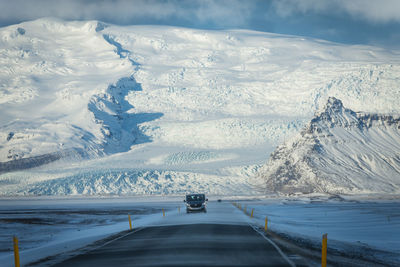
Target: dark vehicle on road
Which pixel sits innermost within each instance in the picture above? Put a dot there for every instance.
(195, 202)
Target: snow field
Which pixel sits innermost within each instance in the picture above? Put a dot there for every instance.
(222, 133)
(124, 95)
(370, 229)
(54, 74)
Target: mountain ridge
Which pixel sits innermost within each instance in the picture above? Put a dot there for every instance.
(340, 151)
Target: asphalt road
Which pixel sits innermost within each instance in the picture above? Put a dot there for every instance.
(185, 245)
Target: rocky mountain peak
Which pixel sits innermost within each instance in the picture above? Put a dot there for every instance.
(332, 115)
(340, 151)
(333, 104)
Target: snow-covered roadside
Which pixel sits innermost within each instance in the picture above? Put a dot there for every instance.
(368, 228)
(47, 227)
(74, 223)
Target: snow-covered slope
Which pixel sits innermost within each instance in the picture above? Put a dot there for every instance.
(339, 151)
(50, 71)
(82, 96)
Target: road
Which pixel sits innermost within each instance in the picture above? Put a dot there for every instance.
(185, 245)
(221, 237)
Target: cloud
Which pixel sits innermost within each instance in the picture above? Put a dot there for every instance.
(349, 21)
(216, 12)
(198, 13)
(373, 11)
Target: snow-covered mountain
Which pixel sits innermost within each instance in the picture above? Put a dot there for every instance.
(88, 101)
(339, 151)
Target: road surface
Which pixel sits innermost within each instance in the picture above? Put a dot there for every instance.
(185, 245)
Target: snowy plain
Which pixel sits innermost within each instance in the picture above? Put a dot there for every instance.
(46, 227)
(367, 229)
(160, 110)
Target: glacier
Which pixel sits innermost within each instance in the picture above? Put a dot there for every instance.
(92, 108)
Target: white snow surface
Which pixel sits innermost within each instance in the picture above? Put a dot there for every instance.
(367, 228)
(160, 110)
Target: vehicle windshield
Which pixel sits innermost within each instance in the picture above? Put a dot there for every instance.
(199, 197)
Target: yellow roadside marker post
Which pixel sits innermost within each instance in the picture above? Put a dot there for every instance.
(245, 208)
(266, 224)
(130, 222)
(324, 250)
(163, 212)
(252, 212)
(16, 252)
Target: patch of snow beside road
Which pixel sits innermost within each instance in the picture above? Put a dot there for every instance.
(366, 227)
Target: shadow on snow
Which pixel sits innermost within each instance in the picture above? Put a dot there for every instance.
(116, 115)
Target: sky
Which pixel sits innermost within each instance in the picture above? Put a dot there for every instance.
(374, 22)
